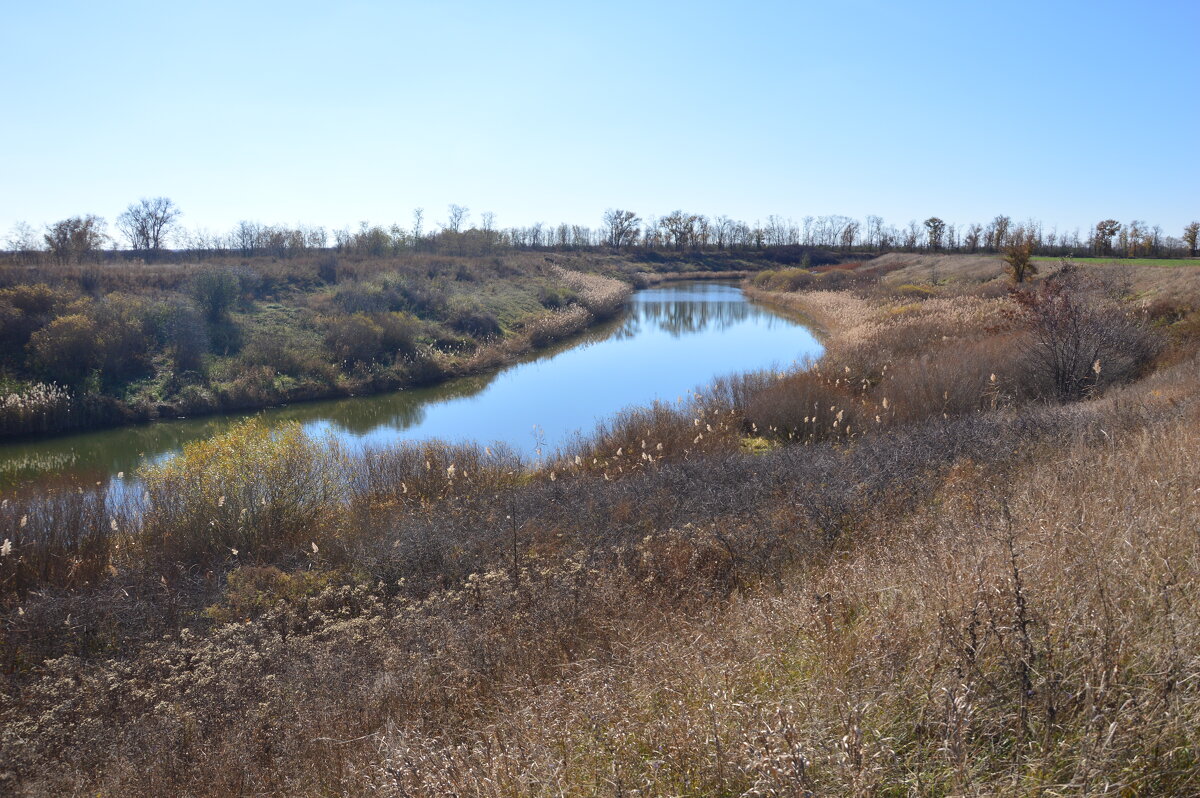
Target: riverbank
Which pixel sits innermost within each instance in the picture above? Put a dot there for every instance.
(943, 576)
(669, 340)
(280, 355)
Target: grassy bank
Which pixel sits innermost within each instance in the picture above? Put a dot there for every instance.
(948, 565)
(99, 345)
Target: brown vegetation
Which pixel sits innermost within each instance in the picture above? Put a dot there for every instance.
(935, 577)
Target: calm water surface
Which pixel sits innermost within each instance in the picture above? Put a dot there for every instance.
(674, 338)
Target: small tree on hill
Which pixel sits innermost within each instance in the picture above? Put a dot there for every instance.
(935, 231)
(1019, 257)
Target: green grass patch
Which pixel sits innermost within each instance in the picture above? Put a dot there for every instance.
(1163, 262)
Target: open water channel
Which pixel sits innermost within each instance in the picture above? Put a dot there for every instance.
(674, 338)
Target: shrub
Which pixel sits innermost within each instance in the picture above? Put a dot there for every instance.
(1080, 339)
(469, 317)
(555, 297)
(804, 405)
(786, 280)
(354, 339)
(362, 299)
(250, 493)
(123, 344)
(25, 309)
(184, 335)
(398, 332)
(912, 291)
(252, 590)
(215, 292)
(67, 349)
(327, 268)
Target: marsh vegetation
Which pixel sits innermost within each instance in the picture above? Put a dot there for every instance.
(955, 555)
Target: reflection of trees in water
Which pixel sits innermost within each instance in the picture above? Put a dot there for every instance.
(99, 454)
(399, 410)
(688, 317)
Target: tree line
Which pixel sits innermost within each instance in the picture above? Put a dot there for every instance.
(151, 226)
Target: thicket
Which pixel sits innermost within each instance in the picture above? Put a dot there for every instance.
(125, 341)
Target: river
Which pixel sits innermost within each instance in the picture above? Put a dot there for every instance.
(674, 338)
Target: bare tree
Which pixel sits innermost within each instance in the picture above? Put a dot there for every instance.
(996, 235)
(680, 228)
(458, 216)
(145, 224)
(971, 239)
(622, 227)
(23, 238)
(849, 235)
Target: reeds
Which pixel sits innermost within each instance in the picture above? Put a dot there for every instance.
(975, 594)
(38, 407)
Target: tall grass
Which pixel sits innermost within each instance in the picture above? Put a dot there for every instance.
(979, 593)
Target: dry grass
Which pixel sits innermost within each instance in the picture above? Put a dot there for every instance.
(975, 594)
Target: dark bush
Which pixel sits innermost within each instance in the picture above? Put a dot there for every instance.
(1081, 339)
(67, 349)
(215, 292)
(327, 268)
(472, 319)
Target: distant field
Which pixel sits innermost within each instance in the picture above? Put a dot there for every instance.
(1165, 262)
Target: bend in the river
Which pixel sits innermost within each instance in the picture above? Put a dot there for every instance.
(674, 338)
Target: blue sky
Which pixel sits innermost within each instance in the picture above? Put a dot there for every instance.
(332, 113)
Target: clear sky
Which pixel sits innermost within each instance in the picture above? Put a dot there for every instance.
(334, 112)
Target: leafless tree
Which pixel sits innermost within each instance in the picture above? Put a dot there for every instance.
(23, 238)
(849, 235)
(680, 228)
(621, 226)
(458, 216)
(146, 223)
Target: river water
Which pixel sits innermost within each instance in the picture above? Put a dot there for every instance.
(674, 338)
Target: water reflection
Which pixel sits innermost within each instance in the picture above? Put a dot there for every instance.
(674, 338)
(707, 309)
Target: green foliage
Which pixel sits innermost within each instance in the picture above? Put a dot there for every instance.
(184, 336)
(315, 328)
(912, 291)
(468, 316)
